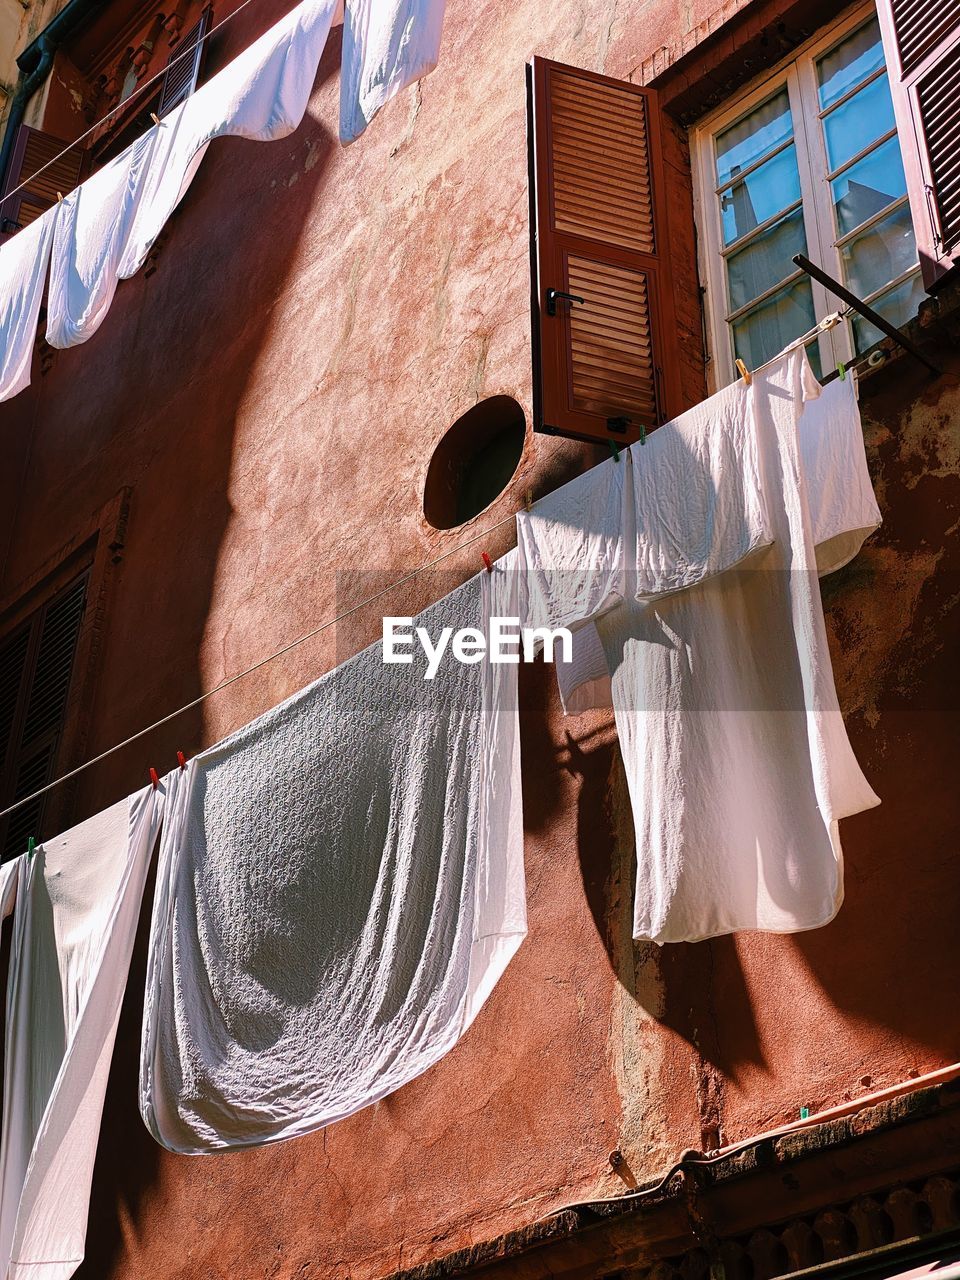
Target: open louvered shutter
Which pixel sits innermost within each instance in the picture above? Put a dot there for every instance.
(183, 69)
(31, 152)
(36, 669)
(603, 366)
(921, 41)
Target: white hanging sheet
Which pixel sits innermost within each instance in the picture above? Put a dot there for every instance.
(843, 513)
(387, 45)
(736, 756)
(340, 887)
(75, 920)
(23, 272)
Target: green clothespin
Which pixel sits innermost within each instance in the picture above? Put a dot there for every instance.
(804, 1113)
(614, 450)
(643, 434)
(842, 370)
(31, 845)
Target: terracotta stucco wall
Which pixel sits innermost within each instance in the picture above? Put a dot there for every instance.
(271, 392)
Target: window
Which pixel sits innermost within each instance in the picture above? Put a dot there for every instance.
(36, 672)
(809, 162)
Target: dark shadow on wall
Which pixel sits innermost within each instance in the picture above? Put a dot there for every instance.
(690, 973)
(152, 401)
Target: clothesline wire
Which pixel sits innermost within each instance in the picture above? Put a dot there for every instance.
(804, 338)
(138, 90)
(279, 653)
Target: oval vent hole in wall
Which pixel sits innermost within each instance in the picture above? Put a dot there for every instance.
(474, 462)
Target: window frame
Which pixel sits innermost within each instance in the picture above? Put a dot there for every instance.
(797, 73)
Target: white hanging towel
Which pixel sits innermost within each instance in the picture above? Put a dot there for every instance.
(736, 756)
(75, 919)
(387, 45)
(843, 513)
(23, 272)
(340, 887)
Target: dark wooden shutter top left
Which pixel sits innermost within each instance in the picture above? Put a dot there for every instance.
(31, 152)
(183, 70)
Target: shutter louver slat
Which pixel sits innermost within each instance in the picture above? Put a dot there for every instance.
(51, 681)
(939, 99)
(36, 670)
(32, 151)
(920, 26)
(13, 656)
(183, 69)
(33, 774)
(922, 39)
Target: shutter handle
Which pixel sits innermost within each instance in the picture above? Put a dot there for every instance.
(554, 294)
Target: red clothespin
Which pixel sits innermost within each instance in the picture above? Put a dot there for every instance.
(487, 562)
(181, 760)
(154, 778)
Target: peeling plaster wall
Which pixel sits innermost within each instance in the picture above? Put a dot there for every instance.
(271, 389)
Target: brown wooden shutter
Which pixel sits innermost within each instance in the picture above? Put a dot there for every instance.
(921, 41)
(36, 668)
(31, 151)
(603, 366)
(183, 68)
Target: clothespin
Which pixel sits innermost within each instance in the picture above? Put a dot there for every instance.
(528, 500)
(487, 562)
(643, 434)
(154, 117)
(181, 760)
(842, 370)
(154, 778)
(31, 845)
(744, 371)
(60, 197)
(804, 1113)
(614, 450)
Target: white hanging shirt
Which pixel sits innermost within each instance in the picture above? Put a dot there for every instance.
(843, 513)
(75, 919)
(340, 887)
(23, 273)
(736, 756)
(387, 45)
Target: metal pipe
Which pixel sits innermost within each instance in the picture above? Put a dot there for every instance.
(875, 318)
(35, 64)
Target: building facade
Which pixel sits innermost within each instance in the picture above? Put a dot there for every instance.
(259, 437)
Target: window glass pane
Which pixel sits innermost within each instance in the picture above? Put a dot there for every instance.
(761, 333)
(898, 306)
(861, 120)
(763, 194)
(765, 261)
(813, 355)
(753, 137)
(849, 63)
(881, 253)
(868, 186)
